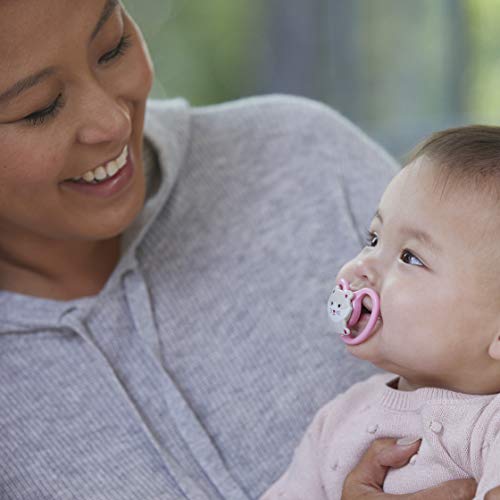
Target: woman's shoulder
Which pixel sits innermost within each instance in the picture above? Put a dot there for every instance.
(299, 155)
(269, 115)
(269, 106)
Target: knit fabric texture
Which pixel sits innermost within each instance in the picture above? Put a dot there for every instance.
(199, 364)
(460, 439)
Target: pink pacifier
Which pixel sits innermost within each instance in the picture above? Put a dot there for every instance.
(345, 307)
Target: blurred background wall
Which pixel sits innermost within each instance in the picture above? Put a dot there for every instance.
(399, 69)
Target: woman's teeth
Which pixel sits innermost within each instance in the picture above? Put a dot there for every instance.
(104, 172)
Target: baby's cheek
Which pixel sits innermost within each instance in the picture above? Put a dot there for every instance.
(407, 332)
(405, 302)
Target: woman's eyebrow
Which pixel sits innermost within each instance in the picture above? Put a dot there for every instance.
(108, 9)
(32, 80)
(25, 84)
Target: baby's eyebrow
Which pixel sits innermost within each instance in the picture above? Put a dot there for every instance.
(417, 234)
(422, 236)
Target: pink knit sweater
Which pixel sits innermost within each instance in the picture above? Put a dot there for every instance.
(460, 439)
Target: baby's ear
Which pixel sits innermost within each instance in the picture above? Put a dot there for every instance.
(494, 349)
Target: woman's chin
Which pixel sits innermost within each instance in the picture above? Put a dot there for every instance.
(115, 219)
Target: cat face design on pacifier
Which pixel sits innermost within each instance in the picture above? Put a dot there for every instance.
(345, 309)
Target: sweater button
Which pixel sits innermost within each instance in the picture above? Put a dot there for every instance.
(436, 426)
(372, 429)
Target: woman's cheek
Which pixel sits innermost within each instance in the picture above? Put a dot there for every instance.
(24, 147)
(16, 169)
(131, 86)
(41, 170)
(138, 83)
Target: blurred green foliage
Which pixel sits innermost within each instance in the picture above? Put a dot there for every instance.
(400, 69)
(484, 95)
(202, 50)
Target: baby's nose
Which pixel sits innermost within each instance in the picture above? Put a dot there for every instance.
(365, 274)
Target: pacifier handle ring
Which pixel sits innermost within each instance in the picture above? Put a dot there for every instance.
(357, 304)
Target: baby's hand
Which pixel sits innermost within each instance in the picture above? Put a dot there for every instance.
(366, 480)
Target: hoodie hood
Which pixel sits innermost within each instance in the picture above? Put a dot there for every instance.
(166, 134)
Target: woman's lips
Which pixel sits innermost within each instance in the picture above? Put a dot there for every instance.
(108, 187)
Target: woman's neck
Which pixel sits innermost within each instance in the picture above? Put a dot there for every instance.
(61, 270)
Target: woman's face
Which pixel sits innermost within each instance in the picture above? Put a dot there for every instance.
(74, 78)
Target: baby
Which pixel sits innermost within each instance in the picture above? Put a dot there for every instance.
(433, 257)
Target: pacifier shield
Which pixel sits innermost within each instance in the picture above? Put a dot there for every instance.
(345, 311)
(340, 309)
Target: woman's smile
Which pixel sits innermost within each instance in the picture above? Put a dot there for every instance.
(107, 169)
(71, 128)
(106, 180)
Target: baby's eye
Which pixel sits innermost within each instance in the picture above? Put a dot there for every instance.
(408, 258)
(371, 239)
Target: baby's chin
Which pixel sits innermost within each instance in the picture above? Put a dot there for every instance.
(369, 350)
(363, 351)
(373, 352)
(359, 327)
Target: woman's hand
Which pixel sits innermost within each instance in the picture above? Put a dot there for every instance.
(366, 480)
(493, 494)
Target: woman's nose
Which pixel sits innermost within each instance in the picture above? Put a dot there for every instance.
(105, 119)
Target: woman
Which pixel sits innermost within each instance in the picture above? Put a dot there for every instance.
(157, 328)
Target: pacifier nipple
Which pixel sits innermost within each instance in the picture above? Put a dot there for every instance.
(345, 309)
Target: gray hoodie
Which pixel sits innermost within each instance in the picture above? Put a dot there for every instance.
(194, 372)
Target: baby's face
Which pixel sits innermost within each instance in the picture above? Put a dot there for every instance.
(434, 260)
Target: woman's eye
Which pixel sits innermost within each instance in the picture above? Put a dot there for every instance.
(39, 117)
(408, 258)
(371, 239)
(118, 51)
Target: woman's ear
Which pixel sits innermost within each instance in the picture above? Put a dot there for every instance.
(494, 349)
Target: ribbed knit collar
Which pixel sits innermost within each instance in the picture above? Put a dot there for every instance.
(395, 399)
(167, 129)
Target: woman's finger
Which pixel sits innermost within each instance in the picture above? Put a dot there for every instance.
(493, 494)
(397, 453)
(367, 479)
(459, 489)
(369, 474)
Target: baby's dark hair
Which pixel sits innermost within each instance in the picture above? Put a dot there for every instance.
(466, 155)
